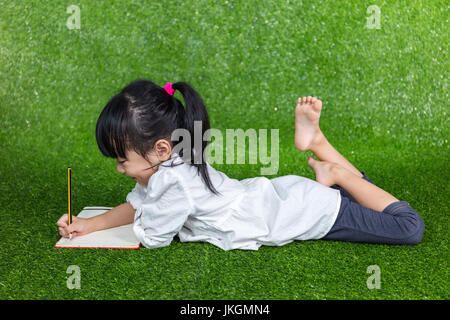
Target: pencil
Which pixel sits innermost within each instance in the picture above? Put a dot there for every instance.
(69, 182)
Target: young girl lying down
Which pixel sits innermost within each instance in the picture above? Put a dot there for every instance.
(174, 194)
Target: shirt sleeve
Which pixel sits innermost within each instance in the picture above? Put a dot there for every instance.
(136, 196)
(163, 212)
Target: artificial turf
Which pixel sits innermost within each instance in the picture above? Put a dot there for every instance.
(385, 107)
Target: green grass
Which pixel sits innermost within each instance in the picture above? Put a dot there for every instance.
(385, 97)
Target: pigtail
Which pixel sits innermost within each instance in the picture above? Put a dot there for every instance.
(196, 111)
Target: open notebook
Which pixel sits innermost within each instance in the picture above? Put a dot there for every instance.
(114, 238)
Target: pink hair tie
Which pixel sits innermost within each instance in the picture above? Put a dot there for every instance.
(169, 89)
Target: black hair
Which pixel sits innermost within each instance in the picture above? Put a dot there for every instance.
(142, 113)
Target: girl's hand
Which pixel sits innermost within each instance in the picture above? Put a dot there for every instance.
(78, 227)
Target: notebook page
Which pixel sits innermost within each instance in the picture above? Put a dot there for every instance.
(118, 237)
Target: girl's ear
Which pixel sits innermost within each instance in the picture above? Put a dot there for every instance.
(163, 149)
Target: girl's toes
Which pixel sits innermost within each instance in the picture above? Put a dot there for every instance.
(317, 105)
(304, 100)
(314, 99)
(308, 99)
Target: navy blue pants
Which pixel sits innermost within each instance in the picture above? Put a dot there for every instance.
(398, 223)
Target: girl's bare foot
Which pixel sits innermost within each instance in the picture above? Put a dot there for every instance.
(325, 171)
(307, 131)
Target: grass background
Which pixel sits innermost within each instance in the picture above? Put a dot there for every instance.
(385, 97)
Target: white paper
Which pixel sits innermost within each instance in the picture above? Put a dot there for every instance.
(118, 237)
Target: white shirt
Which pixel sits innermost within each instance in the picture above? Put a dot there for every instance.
(249, 213)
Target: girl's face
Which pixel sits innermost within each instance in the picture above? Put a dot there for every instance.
(134, 166)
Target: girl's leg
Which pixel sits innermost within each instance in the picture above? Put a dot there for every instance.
(364, 192)
(326, 152)
(398, 223)
(377, 216)
(344, 192)
(308, 135)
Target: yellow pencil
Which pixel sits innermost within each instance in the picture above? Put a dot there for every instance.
(69, 181)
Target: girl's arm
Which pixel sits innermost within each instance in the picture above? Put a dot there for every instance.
(118, 216)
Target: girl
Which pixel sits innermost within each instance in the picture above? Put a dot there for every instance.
(190, 198)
